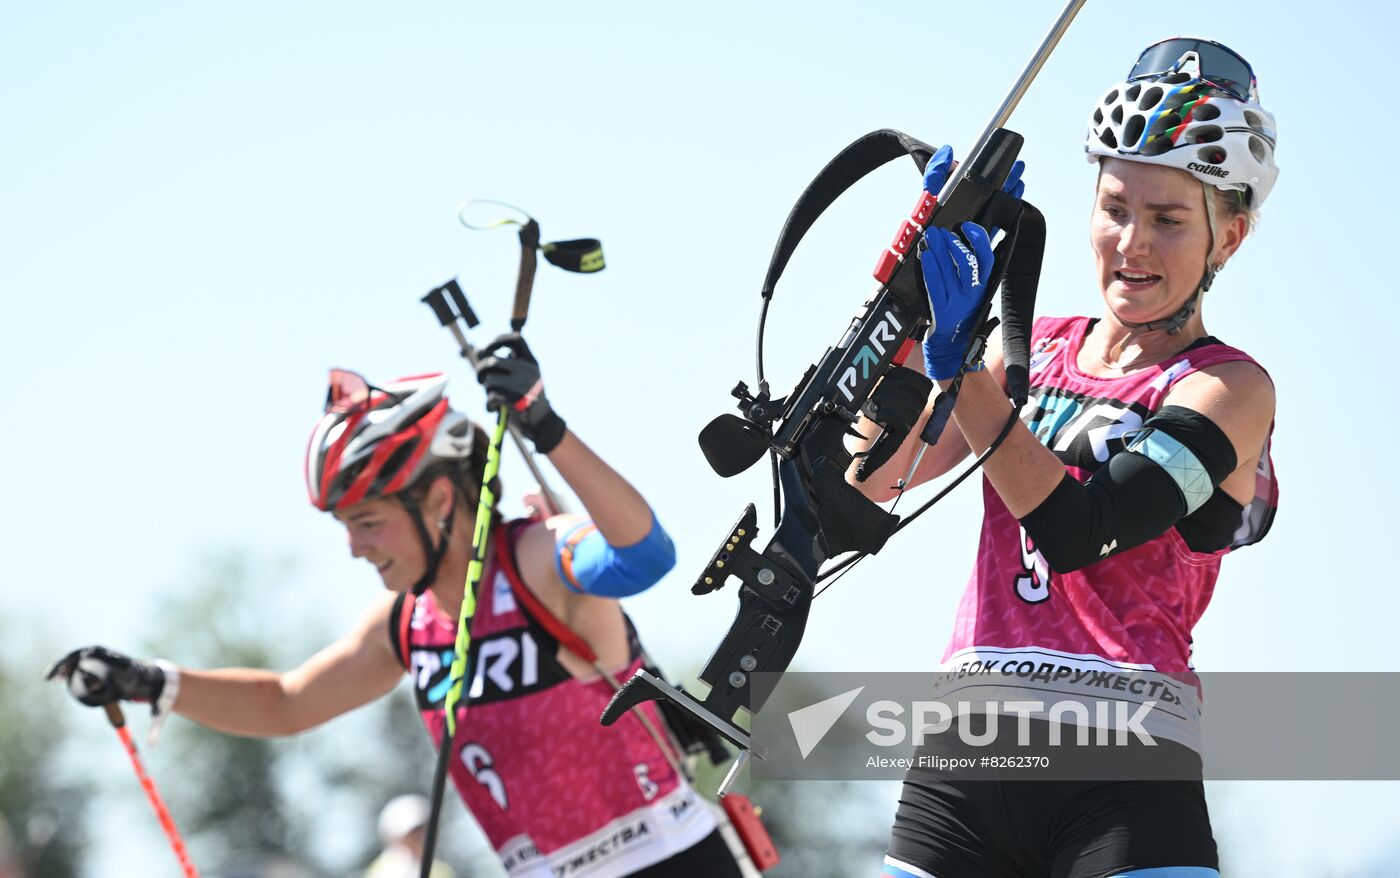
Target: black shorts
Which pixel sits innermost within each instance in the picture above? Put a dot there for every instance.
(1086, 819)
(1050, 829)
(710, 857)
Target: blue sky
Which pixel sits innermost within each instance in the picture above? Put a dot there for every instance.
(202, 208)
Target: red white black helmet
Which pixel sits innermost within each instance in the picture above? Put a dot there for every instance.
(1192, 104)
(377, 441)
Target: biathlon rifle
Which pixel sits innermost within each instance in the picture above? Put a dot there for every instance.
(804, 433)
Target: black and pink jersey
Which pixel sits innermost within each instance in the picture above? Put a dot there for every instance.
(556, 793)
(1133, 610)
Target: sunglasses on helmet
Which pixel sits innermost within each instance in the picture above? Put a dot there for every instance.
(1220, 67)
(350, 393)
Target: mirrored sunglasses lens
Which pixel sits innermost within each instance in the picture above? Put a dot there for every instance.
(1219, 66)
(347, 390)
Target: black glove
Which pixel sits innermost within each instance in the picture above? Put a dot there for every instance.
(511, 376)
(97, 676)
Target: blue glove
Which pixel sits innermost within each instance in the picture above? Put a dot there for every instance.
(956, 278)
(940, 165)
(954, 275)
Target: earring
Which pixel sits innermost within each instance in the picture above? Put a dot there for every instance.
(442, 525)
(1217, 267)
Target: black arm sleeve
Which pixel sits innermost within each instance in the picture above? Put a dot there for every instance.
(1132, 498)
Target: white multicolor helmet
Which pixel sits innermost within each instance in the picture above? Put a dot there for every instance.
(1192, 104)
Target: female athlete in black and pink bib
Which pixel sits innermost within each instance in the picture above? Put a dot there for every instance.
(555, 792)
(1141, 459)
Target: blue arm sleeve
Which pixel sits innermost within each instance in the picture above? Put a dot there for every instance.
(588, 565)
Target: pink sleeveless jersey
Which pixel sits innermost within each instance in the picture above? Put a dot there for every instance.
(1135, 609)
(556, 793)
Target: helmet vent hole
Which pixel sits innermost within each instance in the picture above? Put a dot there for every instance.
(1156, 146)
(1165, 122)
(1108, 139)
(1132, 132)
(1098, 117)
(1206, 133)
(1252, 119)
(1150, 98)
(1132, 92)
(1177, 78)
(1118, 115)
(1211, 155)
(1258, 149)
(1204, 112)
(395, 462)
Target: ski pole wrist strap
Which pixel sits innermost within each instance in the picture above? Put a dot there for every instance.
(164, 704)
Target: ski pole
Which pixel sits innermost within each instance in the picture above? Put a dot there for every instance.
(437, 299)
(481, 539)
(167, 823)
(585, 256)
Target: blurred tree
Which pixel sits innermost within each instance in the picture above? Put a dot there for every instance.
(314, 798)
(230, 802)
(44, 807)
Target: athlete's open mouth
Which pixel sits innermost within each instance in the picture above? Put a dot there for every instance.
(1136, 278)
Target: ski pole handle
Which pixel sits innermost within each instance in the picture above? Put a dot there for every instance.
(525, 280)
(437, 300)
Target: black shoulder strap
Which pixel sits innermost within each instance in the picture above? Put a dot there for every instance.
(399, 617)
(851, 164)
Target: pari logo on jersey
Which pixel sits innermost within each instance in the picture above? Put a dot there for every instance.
(506, 665)
(1081, 430)
(882, 338)
(1084, 431)
(430, 669)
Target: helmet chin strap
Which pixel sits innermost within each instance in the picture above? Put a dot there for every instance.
(434, 556)
(1175, 322)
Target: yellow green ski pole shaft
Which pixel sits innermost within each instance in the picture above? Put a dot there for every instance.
(457, 678)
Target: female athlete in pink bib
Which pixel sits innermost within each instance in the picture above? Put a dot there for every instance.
(556, 793)
(1141, 460)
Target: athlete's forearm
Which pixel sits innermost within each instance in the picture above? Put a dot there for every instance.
(241, 701)
(620, 512)
(1022, 471)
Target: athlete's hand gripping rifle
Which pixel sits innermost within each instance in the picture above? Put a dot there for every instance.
(823, 515)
